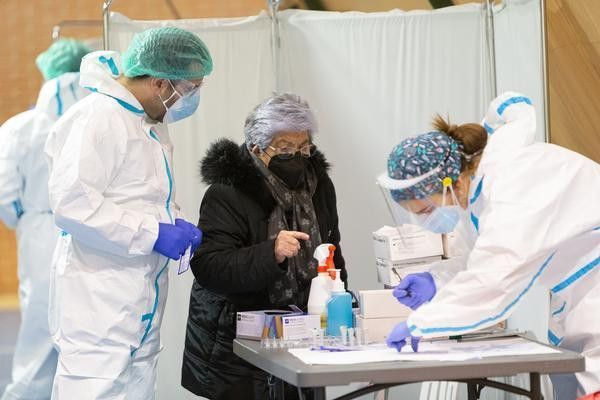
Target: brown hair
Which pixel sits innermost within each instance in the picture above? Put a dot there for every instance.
(473, 138)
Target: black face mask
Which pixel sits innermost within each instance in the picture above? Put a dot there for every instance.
(290, 171)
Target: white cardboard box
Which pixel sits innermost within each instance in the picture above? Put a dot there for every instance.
(414, 243)
(250, 325)
(256, 325)
(381, 304)
(378, 328)
(300, 326)
(390, 272)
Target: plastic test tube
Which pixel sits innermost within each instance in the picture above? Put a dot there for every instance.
(351, 335)
(322, 337)
(344, 333)
(315, 336)
(359, 337)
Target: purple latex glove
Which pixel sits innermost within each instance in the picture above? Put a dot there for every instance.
(193, 230)
(172, 240)
(415, 290)
(398, 335)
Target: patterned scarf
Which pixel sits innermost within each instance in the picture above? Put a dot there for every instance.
(289, 289)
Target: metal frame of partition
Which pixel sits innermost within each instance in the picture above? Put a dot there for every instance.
(275, 41)
(545, 81)
(106, 23)
(490, 46)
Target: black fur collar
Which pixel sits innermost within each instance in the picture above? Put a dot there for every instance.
(230, 164)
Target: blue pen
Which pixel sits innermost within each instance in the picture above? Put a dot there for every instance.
(329, 348)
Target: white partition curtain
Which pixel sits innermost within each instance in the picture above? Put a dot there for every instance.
(371, 79)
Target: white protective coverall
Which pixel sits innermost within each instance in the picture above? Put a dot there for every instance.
(535, 213)
(110, 186)
(24, 206)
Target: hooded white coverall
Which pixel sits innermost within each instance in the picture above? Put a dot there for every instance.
(535, 213)
(24, 206)
(110, 186)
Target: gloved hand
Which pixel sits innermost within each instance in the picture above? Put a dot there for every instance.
(193, 230)
(398, 335)
(415, 290)
(172, 240)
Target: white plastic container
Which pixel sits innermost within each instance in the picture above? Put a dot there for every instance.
(414, 243)
(390, 272)
(381, 304)
(320, 286)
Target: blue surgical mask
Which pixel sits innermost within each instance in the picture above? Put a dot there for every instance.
(183, 107)
(443, 219)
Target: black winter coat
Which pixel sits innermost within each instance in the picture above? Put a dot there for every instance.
(236, 264)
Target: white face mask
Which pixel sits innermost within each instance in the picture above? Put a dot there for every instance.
(183, 107)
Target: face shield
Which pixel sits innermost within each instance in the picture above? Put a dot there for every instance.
(408, 202)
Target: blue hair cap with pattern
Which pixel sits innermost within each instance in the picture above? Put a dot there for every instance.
(416, 156)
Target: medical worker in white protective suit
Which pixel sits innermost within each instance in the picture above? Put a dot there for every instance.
(111, 190)
(534, 213)
(24, 206)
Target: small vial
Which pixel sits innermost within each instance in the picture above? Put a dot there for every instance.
(344, 333)
(365, 335)
(315, 336)
(322, 337)
(359, 337)
(351, 336)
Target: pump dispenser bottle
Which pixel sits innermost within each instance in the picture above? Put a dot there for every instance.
(320, 286)
(339, 307)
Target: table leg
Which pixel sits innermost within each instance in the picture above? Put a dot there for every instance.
(472, 392)
(319, 393)
(535, 386)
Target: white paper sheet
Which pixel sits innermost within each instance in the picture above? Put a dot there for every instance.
(184, 261)
(428, 351)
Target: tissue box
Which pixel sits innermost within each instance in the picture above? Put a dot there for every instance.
(381, 304)
(415, 243)
(378, 328)
(390, 272)
(280, 324)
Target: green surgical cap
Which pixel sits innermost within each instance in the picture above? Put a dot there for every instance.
(61, 57)
(168, 53)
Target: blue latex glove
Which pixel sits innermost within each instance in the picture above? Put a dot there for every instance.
(398, 335)
(415, 290)
(172, 240)
(193, 230)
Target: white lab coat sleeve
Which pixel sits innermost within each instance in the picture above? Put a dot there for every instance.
(510, 254)
(90, 158)
(444, 271)
(11, 180)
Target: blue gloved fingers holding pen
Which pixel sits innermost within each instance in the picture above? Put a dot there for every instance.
(415, 289)
(398, 336)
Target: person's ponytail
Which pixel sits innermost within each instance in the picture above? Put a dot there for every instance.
(472, 137)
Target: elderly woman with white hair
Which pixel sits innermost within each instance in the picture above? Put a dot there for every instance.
(269, 205)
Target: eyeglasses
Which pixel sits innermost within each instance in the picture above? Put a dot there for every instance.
(286, 153)
(185, 88)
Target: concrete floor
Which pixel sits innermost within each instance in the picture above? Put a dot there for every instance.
(9, 326)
